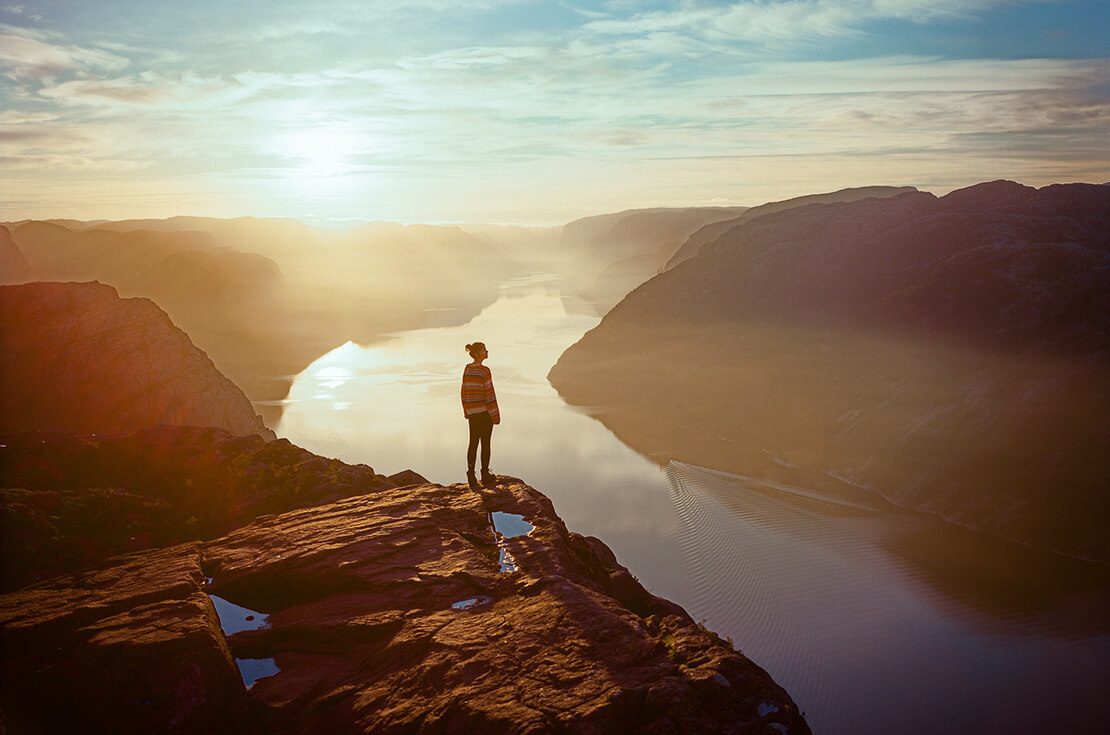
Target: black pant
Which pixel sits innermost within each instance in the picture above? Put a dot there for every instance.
(481, 428)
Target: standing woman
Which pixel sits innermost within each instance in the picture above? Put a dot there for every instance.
(480, 409)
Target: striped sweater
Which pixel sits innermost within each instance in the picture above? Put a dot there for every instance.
(477, 392)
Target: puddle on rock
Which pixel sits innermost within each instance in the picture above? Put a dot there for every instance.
(253, 669)
(235, 618)
(471, 602)
(510, 525)
(507, 526)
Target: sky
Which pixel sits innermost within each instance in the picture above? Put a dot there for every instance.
(530, 112)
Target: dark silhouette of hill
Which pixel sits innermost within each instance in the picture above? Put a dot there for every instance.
(77, 357)
(951, 354)
(607, 255)
(707, 234)
(14, 267)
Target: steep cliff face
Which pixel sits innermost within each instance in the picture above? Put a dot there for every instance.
(952, 355)
(413, 609)
(78, 357)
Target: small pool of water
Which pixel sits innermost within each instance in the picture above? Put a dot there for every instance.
(471, 602)
(510, 525)
(236, 618)
(253, 669)
(507, 526)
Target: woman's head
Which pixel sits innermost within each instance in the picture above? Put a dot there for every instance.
(477, 350)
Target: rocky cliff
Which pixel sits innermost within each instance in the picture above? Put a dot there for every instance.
(68, 501)
(608, 255)
(78, 357)
(424, 608)
(950, 354)
(710, 232)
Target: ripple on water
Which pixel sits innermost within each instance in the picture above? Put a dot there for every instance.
(837, 602)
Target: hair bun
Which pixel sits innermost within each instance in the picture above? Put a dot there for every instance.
(468, 347)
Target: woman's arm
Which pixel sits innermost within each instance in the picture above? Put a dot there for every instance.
(491, 400)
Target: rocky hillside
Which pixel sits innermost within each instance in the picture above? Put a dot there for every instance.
(608, 255)
(78, 357)
(950, 354)
(418, 609)
(710, 232)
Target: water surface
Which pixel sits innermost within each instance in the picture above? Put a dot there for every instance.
(874, 620)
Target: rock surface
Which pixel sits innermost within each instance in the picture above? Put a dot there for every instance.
(77, 357)
(364, 629)
(72, 500)
(949, 354)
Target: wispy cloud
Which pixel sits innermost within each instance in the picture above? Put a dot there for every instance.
(28, 54)
(766, 23)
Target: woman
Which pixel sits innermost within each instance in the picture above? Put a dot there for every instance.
(480, 409)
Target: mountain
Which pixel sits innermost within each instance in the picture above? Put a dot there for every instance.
(606, 256)
(711, 232)
(78, 357)
(14, 267)
(951, 355)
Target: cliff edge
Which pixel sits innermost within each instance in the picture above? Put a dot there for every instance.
(417, 609)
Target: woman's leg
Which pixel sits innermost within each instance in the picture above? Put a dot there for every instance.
(487, 433)
(472, 448)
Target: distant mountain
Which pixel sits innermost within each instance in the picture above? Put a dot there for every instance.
(14, 267)
(950, 354)
(607, 255)
(77, 357)
(711, 232)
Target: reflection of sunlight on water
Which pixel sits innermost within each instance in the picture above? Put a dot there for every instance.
(333, 377)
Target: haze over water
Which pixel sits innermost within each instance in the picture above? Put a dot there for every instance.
(873, 619)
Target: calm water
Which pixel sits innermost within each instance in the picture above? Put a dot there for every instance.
(873, 620)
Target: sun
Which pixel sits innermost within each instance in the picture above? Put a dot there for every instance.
(323, 151)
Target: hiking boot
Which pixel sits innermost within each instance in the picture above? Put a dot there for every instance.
(488, 478)
(472, 480)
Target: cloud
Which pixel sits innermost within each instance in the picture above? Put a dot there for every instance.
(27, 54)
(797, 21)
